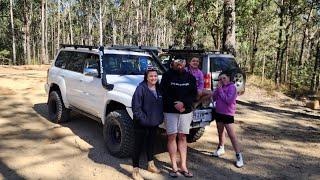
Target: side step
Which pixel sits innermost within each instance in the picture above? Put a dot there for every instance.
(86, 114)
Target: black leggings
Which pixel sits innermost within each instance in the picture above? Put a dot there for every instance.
(143, 136)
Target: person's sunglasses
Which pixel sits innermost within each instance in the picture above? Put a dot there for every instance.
(178, 60)
(151, 68)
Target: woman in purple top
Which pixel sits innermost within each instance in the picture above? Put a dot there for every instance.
(193, 69)
(225, 97)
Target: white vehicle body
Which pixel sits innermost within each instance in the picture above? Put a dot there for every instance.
(100, 86)
(86, 93)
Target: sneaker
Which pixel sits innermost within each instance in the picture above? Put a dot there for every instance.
(239, 162)
(136, 175)
(153, 168)
(219, 152)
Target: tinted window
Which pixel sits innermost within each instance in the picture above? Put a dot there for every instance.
(76, 61)
(62, 59)
(222, 63)
(127, 64)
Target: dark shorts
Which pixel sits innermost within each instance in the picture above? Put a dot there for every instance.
(225, 119)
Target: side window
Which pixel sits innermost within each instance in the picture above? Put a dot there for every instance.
(76, 61)
(222, 64)
(62, 59)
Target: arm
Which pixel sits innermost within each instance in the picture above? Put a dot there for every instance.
(137, 103)
(193, 92)
(230, 96)
(164, 86)
(201, 81)
(215, 95)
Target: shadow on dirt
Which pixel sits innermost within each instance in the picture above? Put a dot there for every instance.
(91, 132)
(9, 173)
(257, 158)
(257, 107)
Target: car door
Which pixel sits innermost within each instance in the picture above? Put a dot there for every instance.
(91, 87)
(73, 76)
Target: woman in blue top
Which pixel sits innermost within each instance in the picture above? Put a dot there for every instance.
(147, 115)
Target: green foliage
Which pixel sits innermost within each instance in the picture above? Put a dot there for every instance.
(4, 53)
(197, 22)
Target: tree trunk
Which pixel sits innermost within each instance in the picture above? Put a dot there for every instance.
(254, 47)
(90, 27)
(287, 65)
(283, 50)
(14, 59)
(47, 32)
(114, 30)
(43, 58)
(314, 83)
(58, 30)
(305, 33)
(150, 29)
(277, 69)
(27, 17)
(189, 36)
(229, 36)
(137, 33)
(100, 24)
(263, 68)
(70, 25)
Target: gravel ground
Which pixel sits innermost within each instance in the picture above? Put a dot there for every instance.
(280, 139)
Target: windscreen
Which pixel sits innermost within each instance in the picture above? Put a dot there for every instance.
(222, 64)
(120, 64)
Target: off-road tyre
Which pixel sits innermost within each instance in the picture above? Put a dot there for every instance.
(195, 134)
(57, 112)
(118, 133)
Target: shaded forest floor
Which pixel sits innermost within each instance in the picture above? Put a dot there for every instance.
(279, 136)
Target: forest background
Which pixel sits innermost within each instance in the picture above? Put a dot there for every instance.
(275, 39)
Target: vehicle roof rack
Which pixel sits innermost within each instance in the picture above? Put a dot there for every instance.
(184, 50)
(78, 46)
(192, 50)
(135, 48)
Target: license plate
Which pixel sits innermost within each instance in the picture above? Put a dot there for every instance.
(201, 115)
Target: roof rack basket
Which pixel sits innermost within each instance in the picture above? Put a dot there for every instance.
(78, 46)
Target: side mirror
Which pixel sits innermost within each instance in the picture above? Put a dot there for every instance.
(91, 72)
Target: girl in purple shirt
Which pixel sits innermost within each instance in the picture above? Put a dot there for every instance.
(193, 69)
(225, 97)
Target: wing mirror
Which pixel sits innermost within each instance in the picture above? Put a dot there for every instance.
(91, 72)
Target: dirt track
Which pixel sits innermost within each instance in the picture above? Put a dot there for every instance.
(278, 142)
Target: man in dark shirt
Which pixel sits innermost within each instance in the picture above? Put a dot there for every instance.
(179, 92)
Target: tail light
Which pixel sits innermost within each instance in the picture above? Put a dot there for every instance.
(207, 81)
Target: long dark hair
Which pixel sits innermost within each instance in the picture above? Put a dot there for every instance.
(228, 73)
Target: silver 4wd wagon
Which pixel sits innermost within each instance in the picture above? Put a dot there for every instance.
(211, 64)
(99, 82)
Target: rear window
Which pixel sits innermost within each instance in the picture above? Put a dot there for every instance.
(222, 63)
(127, 64)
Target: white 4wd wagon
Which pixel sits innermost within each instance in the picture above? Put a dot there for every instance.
(99, 83)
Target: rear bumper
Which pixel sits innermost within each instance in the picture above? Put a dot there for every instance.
(204, 121)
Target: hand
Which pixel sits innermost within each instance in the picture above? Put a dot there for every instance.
(179, 105)
(219, 85)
